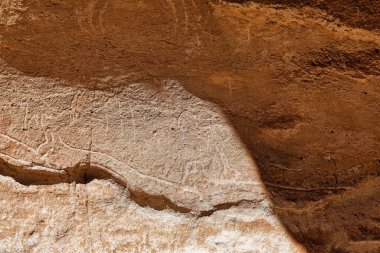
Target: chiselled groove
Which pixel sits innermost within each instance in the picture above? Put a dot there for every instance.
(19, 143)
(84, 173)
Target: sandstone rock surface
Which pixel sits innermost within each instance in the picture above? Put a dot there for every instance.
(189, 126)
(181, 179)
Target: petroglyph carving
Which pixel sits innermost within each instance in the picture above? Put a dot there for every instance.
(130, 137)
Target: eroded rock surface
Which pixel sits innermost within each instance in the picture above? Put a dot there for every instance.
(137, 126)
(163, 142)
(100, 217)
(171, 157)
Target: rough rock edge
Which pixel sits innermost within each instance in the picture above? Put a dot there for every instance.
(84, 173)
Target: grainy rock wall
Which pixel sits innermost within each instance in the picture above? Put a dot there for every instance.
(181, 179)
(189, 125)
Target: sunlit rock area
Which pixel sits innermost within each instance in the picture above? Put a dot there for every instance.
(190, 126)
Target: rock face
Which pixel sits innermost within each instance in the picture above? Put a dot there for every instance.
(163, 142)
(181, 178)
(189, 126)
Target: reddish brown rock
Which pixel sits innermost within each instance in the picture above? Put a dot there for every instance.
(189, 125)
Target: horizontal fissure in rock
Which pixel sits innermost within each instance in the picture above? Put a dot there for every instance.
(82, 174)
(85, 173)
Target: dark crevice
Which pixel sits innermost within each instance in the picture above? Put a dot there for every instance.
(82, 174)
(156, 202)
(223, 206)
(85, 173)
(36, 175)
